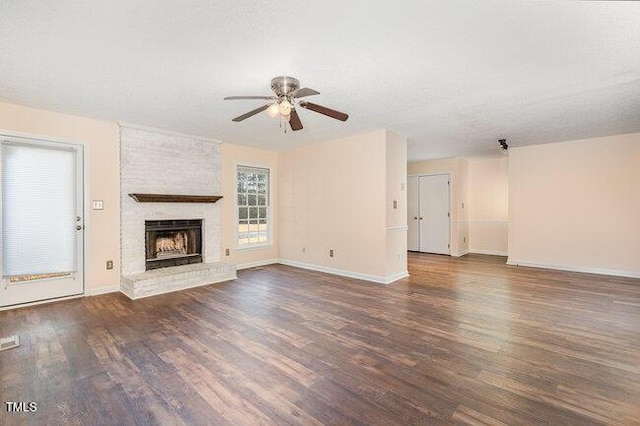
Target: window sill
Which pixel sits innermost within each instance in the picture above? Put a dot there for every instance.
(253, 247)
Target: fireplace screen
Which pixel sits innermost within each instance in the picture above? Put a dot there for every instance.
(173, 242)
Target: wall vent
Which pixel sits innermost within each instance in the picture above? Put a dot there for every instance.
(9, 342)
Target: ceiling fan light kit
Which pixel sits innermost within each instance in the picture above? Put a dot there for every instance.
(283, 105)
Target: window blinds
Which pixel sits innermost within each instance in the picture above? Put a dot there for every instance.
(39, 187)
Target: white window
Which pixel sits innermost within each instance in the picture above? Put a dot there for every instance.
(254, 221)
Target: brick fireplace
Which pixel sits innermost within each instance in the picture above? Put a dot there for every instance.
(169, 243)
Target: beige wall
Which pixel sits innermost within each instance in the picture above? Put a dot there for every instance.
(332, 196)
(575, 205)
(488, 208)
(458, 170)
(101, 150)
(331, 199)
(233, 156)
(396, 218)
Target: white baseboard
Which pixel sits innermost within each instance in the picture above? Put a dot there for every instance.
(41, 302)
(396, 277)
(460, 253)
(490, 252)
(569, 268)
(343, 273)
(256, 264)
(103, 290)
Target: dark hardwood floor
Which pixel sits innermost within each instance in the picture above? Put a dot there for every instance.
(467, 340)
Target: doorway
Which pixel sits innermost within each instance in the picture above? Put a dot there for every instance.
(428, 199)
(42, 248)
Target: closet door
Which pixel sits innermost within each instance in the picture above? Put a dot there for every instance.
(434, 221)
(413, 211)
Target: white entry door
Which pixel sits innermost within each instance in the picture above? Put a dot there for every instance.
(434, 214)
(42, 220)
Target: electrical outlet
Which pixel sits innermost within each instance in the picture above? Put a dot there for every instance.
(331, 253)
(395, 204)
(304, 249)
(226, 252)
(109, 264)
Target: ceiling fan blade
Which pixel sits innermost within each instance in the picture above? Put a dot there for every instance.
(305, 91)
(294, 121)
(235, 98)
(326, 111)
(250, 113)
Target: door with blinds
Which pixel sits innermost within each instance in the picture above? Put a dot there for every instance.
(42, 254)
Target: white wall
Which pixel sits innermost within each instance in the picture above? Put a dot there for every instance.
(576, 205)
(488, 205)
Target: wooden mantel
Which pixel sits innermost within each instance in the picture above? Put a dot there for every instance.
(174, 198)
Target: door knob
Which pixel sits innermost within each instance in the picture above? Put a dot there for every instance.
(420, 218)
(78, 227)
(416, 217)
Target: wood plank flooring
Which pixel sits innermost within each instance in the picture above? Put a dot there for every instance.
(462, 341)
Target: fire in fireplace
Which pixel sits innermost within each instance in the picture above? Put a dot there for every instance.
(172, 242)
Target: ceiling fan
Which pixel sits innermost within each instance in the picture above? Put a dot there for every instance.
(287, 93)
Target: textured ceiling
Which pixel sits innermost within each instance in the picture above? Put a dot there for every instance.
(451, 76)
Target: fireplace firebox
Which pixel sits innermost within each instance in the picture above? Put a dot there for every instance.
(172, 242)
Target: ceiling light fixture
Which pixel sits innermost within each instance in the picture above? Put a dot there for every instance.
(273, 110)
(284, 102)
(285, 108)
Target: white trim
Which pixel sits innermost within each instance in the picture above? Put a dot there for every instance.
(256, 264)
(397, 228)
(490, 252)
(270, 216)
(37, 137)
(41, 302)
(459, 254)
(430, 174)
(343, 273)
(103, 290)
(86, 213)
(86, 195)
(125, 125)
(569, 268)
(395, 277)
(250, 247)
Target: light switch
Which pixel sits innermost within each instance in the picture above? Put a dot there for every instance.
(97, 205)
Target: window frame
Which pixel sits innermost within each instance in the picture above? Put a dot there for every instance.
(258, 245)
